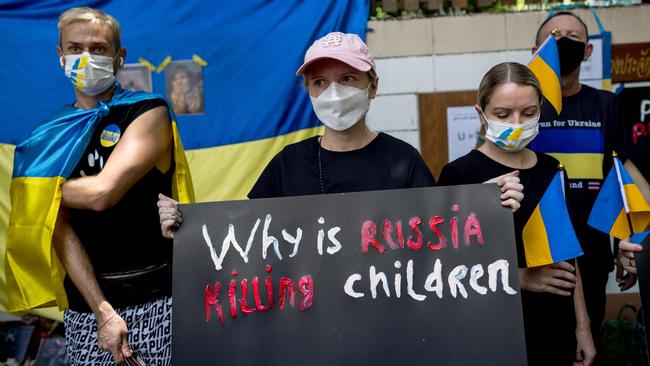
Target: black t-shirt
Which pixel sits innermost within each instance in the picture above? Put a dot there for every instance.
(125, 238)
(549, 320)
(385, 163)
(583, 137)
(639, 154)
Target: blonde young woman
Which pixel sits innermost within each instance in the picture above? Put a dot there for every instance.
(556, 323)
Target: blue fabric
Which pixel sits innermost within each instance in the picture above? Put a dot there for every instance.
(562, 239)
(638, 238)
(252, 48)
(55, 147)
(551, 56)
(583, 140)
(608, 204)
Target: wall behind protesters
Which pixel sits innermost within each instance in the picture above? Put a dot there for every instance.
(453, 53)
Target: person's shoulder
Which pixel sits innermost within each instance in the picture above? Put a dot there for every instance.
(461, 170)
(386, 139)
(300, 147)
(293, 152)
(546, 162)
(600, 94)
(152, 101)
(391, 144)
(467, 160)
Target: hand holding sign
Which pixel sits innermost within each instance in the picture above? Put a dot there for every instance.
(170, 216)
(511, 188)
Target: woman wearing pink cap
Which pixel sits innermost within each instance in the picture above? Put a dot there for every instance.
(339, 74)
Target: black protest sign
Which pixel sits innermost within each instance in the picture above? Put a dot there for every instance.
(402, 277)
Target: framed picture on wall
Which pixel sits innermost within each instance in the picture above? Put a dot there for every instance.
(135, 77)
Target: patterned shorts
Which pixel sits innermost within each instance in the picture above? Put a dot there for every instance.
(150, 334)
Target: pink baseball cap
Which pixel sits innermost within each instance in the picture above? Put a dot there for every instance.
(345, 47)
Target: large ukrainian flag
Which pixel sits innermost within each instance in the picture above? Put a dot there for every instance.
(545, 64)
(42, 163)
(620, 209)
(548, 235)
(254, 104)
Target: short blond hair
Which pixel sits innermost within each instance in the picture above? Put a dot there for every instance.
(94, 16)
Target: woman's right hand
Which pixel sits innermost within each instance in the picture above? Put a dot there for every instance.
(557, 278)
(626, 255)
(170, 216)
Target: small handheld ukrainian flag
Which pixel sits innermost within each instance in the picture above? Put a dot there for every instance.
(545, 64)
(620, 210)
(548, 235)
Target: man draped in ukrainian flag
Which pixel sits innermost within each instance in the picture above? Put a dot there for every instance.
(84, 191)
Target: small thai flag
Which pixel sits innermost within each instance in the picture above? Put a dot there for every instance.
(593, 186)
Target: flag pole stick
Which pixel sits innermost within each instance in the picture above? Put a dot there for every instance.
(627, 210)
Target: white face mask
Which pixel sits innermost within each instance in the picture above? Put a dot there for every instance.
(510, 136)
(91, 74)
(339, 107)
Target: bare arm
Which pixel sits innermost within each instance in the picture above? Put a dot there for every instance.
(146, 143)
(113, 330)
(585, 351)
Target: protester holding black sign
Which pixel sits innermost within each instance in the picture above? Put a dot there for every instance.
(555, 315)
(339, 74)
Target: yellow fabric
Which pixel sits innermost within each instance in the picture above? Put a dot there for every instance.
(639, 208)
(35, 205)
(581, 166)
(549, 82)
(535, 238)
(182, 187)
(6, 167)
(229, 172)
(621, 228)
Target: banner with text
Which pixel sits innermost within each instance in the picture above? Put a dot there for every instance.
(399, 277)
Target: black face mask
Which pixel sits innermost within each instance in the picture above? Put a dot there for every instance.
(571, 54)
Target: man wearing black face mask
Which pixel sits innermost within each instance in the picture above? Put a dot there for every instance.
(582, 137)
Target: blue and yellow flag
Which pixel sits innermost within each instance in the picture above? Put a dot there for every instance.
(620, 209)
(246, 55)
(548, 235)
(42, 163)
(545, 64)
(582, 158)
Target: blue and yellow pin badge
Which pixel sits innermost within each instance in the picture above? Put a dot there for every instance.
(110, 135)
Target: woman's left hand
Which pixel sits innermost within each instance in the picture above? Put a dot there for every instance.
(585, 350)
(512, 191)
